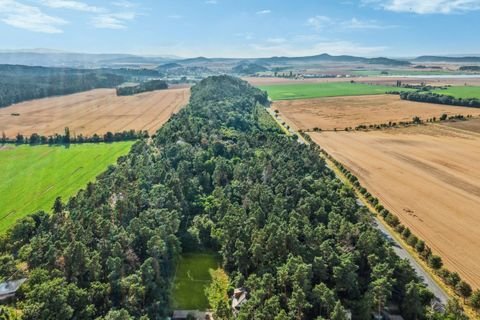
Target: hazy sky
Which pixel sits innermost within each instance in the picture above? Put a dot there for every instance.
(243, 28)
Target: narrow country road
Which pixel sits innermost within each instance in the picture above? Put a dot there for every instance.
(404, 254)
(441, 296)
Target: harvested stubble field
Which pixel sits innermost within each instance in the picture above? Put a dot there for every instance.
(342, 112)
(428, 176)
(472, 125)
(96, 111)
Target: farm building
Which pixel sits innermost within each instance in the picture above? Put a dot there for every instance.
(9, 288)
(240, 296)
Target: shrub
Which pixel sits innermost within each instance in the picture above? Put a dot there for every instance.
(453, 279)
(435, 262)
(392, 220)
(420, 246)
(400, 228)
(463, 289)
(412, 240)
(406, 233)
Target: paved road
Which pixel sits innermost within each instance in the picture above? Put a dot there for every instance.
(404, 254)
(441, 296)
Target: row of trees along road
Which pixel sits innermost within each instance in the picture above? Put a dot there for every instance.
(220, 175)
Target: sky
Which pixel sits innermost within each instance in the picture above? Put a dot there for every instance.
(243, 28)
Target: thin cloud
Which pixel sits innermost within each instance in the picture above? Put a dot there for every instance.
(28, 17)
(245, 35)
(426, 6)
(277, 40)
(211, 2)
(124, 4)
(263, 12)
(319, 22)
(175, 16)
(71, 5)
(355, 23)
(113, 20)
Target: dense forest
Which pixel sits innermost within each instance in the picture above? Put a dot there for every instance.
(431, 97)
(146, 86)
(21, 83)
(219, 176)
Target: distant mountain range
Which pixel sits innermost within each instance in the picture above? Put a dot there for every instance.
(53, 58)
(324, 58)
(77, 60)
(470, 59)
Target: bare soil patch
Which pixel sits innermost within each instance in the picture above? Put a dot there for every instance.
(428, 176)
(96, 111)
(342, 112)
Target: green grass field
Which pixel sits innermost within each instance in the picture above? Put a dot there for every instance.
(403, 72)
(191, 278)
(32, 177)
(320, 90)
(461, 92)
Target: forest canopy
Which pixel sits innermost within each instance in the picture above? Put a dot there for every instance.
(219, 176)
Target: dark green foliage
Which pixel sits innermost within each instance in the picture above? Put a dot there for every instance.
(21, 83)
(146, 86)
(475, 300)
(463, 289)
(248, 69)
(469, 68)
(435, 262)
(431, 97)
(214, 177)
(65, 139)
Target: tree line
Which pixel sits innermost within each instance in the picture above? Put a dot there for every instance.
(68, 138)
(432, 97)
(146, 86)
(221, 176)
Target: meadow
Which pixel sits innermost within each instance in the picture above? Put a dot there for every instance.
(463, 92)
(191, 278)
(32, 177)
(403, 72)
(329, 89)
